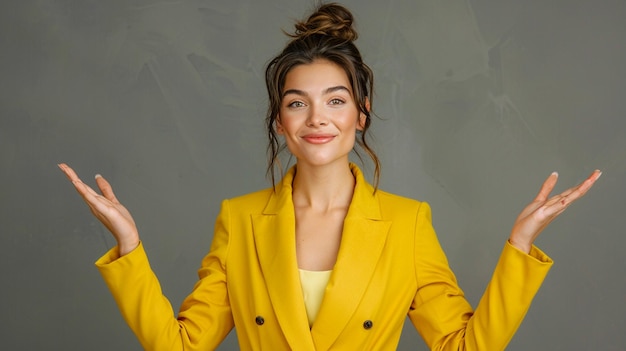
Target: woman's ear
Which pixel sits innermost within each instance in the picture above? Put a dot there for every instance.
(278, 126)
(363, 116)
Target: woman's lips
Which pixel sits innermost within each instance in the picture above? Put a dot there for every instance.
(318, 138)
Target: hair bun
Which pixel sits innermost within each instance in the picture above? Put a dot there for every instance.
(329, 19)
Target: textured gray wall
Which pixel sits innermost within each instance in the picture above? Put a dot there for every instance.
(479, 101)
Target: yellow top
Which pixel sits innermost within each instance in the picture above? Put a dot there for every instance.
(313, 287)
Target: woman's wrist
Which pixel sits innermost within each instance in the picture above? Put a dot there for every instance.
(125, 248)
(520, 245)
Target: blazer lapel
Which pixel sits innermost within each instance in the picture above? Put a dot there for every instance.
(364, 236)
(274, 235)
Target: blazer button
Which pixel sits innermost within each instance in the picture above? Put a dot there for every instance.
(259, 320)
(368, 324)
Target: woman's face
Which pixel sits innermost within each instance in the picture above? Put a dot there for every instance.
(318, 116)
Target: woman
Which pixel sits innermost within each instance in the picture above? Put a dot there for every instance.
(323, 260)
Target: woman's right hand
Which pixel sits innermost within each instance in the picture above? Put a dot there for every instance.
(107, 209)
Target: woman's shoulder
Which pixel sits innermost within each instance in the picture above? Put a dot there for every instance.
(255, 197)
(398, 205)
(400, 200)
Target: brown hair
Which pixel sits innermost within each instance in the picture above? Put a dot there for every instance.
(327, 34)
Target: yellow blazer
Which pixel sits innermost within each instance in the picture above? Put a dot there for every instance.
(390, 264)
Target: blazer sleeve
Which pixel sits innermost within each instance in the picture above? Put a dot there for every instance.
(442, 315)
(205, 316)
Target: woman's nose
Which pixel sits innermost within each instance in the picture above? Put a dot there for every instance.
(316, 117)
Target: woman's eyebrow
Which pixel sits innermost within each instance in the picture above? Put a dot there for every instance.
(326, 91)
(335, 88)
(295, 92)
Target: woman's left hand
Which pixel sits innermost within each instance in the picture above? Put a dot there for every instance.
(542, 210)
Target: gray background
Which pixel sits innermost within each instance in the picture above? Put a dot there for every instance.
(479, 100)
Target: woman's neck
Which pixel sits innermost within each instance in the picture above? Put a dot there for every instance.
(323, 188)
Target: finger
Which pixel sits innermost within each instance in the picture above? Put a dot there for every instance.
(82, 188)
(100, 206)
(106, 189)
(579, 191)
(547, 187)
(69, 172)
(572, 194)
(85, 191)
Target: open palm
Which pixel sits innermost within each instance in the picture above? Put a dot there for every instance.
(544, 209)
(107, 209)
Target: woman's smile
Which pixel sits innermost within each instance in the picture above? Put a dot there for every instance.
(318, 138)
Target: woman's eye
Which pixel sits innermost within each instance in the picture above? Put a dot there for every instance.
(336, 102)
(296, 104)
